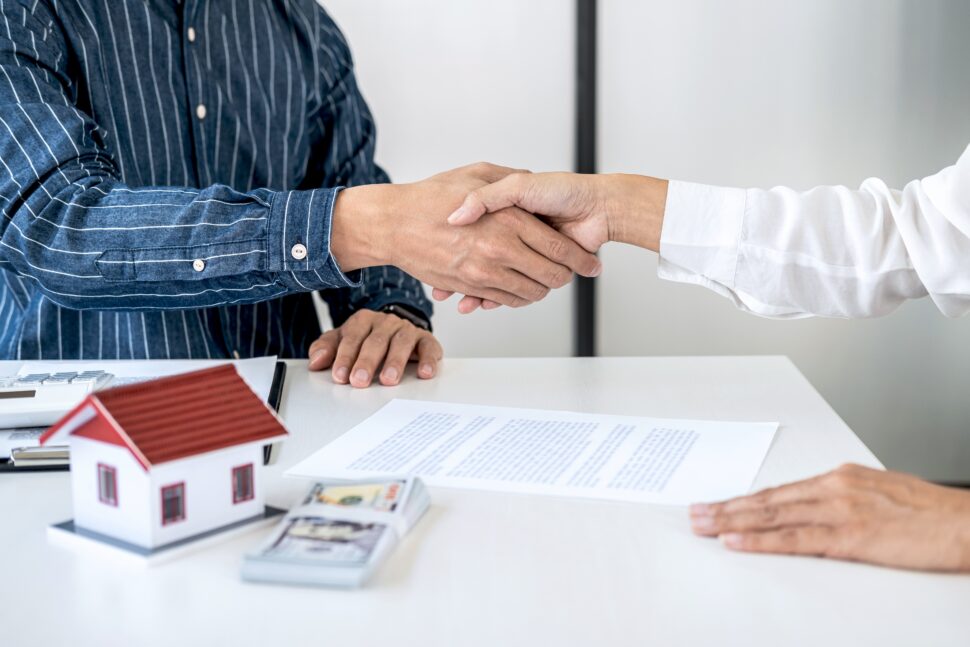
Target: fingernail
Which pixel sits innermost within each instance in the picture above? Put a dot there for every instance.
(598, 269)
(702, 523)
(700, 509)
(457, 215)
(427, 370)
(390, 374)
(361, 375)
(731, 539)
(342, 373)
(318, 356)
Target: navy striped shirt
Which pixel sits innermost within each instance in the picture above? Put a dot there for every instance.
(168, 172)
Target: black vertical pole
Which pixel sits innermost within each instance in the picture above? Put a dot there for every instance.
(584, 316)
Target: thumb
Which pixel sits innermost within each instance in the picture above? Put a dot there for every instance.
(491, 197)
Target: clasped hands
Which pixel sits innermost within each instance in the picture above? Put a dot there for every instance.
(509, 258)
(497, 235)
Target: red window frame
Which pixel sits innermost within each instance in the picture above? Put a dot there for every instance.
(167, 488)
(250, 480)
(107, 469)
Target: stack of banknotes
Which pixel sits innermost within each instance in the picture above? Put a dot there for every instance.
(340, 533)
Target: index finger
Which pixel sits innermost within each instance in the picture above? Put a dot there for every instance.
(558, 247)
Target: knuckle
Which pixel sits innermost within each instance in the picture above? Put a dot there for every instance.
(840, 479)
(556, 249)
(788, 538)
(560, 277)
(538, 292)
(351, 338)
(378, 339)
(475, 273)
(769, 513)
(761, 498)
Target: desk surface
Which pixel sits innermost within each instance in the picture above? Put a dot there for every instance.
(496, 569)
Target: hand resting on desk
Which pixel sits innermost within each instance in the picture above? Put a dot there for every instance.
(368, 340)
(852, 513)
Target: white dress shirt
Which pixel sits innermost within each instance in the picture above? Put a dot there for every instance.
(831, 251)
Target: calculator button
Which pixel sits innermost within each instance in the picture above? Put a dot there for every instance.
(33, 378)
(60, 378)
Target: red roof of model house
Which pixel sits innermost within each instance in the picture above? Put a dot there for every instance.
(173, 417)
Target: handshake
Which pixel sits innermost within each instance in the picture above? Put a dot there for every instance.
(497, 235)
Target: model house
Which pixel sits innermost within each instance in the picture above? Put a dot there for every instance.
(168, 460)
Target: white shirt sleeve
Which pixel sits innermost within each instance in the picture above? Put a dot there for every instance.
(830, 251)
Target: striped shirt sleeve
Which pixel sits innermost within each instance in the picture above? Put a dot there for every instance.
(89, 241)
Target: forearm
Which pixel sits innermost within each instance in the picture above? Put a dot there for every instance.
(830, 251)
(362, 234)
(91, 242)
(634, 208)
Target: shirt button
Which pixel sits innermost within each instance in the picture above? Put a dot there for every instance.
(298, 252)
(198, 265)
(191, 35)
(200, 111)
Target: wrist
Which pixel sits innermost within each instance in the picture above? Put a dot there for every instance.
(634, 207)
(358, 235)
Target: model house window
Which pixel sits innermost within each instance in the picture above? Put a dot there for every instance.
(242, 483)
(173, 503)
(107, 484)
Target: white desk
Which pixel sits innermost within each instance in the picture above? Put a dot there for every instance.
(492, 569)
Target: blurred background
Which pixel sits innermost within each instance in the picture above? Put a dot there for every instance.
(739, 93)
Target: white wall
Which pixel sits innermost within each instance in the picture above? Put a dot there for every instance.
(758, 93)
(452, 83)
(130, 520)
(747, 93)
(208, 491)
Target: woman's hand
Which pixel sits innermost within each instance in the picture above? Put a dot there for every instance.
(853, 513)
(589, 209)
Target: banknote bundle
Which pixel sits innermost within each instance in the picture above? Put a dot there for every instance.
(340, 533)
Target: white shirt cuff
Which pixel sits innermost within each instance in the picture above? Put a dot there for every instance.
(700, 234)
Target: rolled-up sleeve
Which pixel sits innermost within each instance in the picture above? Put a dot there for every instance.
(89, 241)
(829, 251)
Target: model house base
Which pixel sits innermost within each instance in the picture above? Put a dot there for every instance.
(71, 536)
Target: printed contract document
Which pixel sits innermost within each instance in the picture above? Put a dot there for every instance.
(625, 458)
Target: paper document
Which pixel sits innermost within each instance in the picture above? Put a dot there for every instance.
(652, 460)
(258, 371)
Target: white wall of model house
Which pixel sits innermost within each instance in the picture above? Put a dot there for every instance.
(137, 517)
(130, 520)
(208, 491)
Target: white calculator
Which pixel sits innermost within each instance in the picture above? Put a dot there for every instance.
(40, 399)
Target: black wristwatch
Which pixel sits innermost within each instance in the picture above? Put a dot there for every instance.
(408, 315)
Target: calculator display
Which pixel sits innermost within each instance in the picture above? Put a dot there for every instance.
(10, 395)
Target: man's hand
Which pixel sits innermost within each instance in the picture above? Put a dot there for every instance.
(590, 209)
(512, 258)
(853, 513)
(369, 340)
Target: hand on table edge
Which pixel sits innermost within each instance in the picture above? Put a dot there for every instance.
(369, 340)
(590, 209)
(852, 513)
